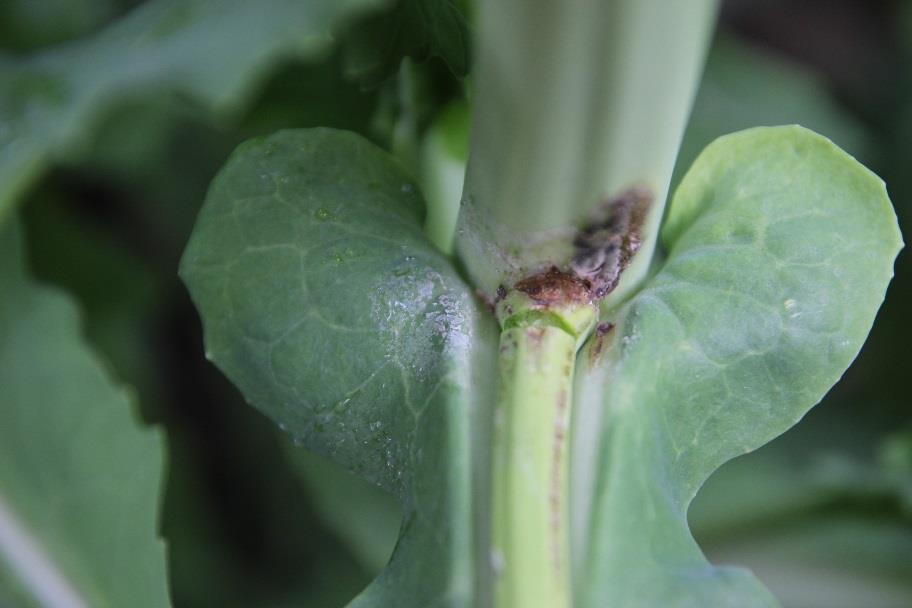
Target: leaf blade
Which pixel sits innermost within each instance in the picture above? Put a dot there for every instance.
(780, 250)
(51, 101)
(419, 29)
(325, 304)
(79, 478)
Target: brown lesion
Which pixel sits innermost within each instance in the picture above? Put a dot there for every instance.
(602, 330)
(556, 495)
(604, 247)
(607, 243)
(554, 287)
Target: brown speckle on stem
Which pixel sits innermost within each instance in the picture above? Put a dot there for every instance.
(598, 343)
(555, 493)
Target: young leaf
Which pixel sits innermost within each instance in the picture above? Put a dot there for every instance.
(211, 51)
(780, 247)
(325, 304)
(79, 479)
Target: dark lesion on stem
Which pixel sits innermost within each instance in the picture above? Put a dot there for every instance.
(607, 243)
(555, 287)
(602, 331)
(604, 247)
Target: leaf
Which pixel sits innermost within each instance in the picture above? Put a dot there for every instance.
(829, 560)
(324, 303)
(26, 25)
(419, 29)
(211, 51)
(245, 533)
(744, 87)
(800, 473)
(364, 517)
(79, 477)
(780, 247)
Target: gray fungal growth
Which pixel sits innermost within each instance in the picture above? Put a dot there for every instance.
(607, 243)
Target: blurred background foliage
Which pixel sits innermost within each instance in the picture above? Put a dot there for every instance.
(823, 515)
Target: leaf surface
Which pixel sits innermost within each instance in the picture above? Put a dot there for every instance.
(780, 248)
(744, 87)
(211, 51)
(325, 304)
(419, 29)
(79, 477)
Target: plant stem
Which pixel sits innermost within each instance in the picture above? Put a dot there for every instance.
(530, 525)
(443, 154)
(576, 101)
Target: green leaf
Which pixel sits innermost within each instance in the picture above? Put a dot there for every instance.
(212, 51)
(27, 25)
(363, 516)
(419, 29)
(744, 87)
(325, 304)
(780, 248)
(79, 477)
(827, 560)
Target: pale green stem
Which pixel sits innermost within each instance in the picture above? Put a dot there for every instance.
(530, 533)
(576, 101)
(405, 130)
(443, 154)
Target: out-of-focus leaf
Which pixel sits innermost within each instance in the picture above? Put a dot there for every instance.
(117, 290)
(26, 25)
(79, 478)
(363, 516)
(419, 29)
(241, 528)
(827, 560)
(745, 87)
(820, 529)
(793, 476)
(209, 50)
